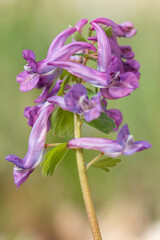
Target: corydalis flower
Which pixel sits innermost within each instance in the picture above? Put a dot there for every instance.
(41, 75)
(123, 145)
(24, 167)
(125, 29)
(110, 75)
(76, 100)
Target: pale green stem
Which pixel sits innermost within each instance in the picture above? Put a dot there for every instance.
(84, 183)
(94, 160)
(51, 145)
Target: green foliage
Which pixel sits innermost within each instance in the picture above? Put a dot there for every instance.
(63, 84)
(78, 37)
(103, 123)
(108, 31)
(62, 122)
(106, 163)
(53, 158)
(90, 93)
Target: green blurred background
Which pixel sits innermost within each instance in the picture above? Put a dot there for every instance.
(127, 199)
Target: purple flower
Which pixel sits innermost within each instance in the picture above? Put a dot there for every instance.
(76, 100)
(123, 145)
(110, 75)
(24, 167)
(40, 74)
(125, 29)
(79, 25)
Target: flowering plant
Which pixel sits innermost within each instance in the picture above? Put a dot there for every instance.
(74, 93)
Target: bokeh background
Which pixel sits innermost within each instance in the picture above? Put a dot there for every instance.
(127, 200)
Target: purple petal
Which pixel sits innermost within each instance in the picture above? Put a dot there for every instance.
(128, 29)
(43, 95)
(104, 50)
(116, 115)
(20, 175)
(94, 108)
(62, 54)
(115, 27)
(66, 51)
(88, 74)
(14, 159)
(136, 147)
(27, 81)
(108, 147)
(32, 114)
(123, 134)
(128, 82)
(127, 52)
(55, 88)
(73, 97)
(92, 113)
(133, 66)
(58, 101)
(35, 147)
(80, 24)
(60, 40)
(28, 54)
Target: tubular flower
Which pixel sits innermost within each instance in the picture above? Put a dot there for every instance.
(110, 75)
(24, 167)
(123, 145)
(125, 29)
(76, 100)
(39, 74)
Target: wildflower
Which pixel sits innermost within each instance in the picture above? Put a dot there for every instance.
(41, 75)
(110, 75)
(123, 145)
(24, 167)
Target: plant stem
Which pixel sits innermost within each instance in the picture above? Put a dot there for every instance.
(84, 183)
(94, 160)
(51, 145)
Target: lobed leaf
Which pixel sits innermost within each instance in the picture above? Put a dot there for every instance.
(53, 158)
(103, 123)
(62, 122)
(106, 163)
(78, 37)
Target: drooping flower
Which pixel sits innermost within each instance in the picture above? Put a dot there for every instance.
(125, 29)
(41, 75)
(24, 167)
(76, 100)
(111, 75)
(123, 145)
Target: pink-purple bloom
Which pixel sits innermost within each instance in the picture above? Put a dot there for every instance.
(76, 101)
(115, 78)
(24, 167)
(123, 145)
(40, 74)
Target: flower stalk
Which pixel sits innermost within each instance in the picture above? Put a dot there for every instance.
(94, 160)
(84, 183)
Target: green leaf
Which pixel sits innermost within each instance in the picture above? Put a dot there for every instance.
(106, 163)
(108, 31)
(53, 158)
(63, 74)
(63, 84)
(103, 123)
(78, 37)
(90, 93)
(62, 122)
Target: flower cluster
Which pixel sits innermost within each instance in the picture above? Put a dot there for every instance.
(67, 82)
